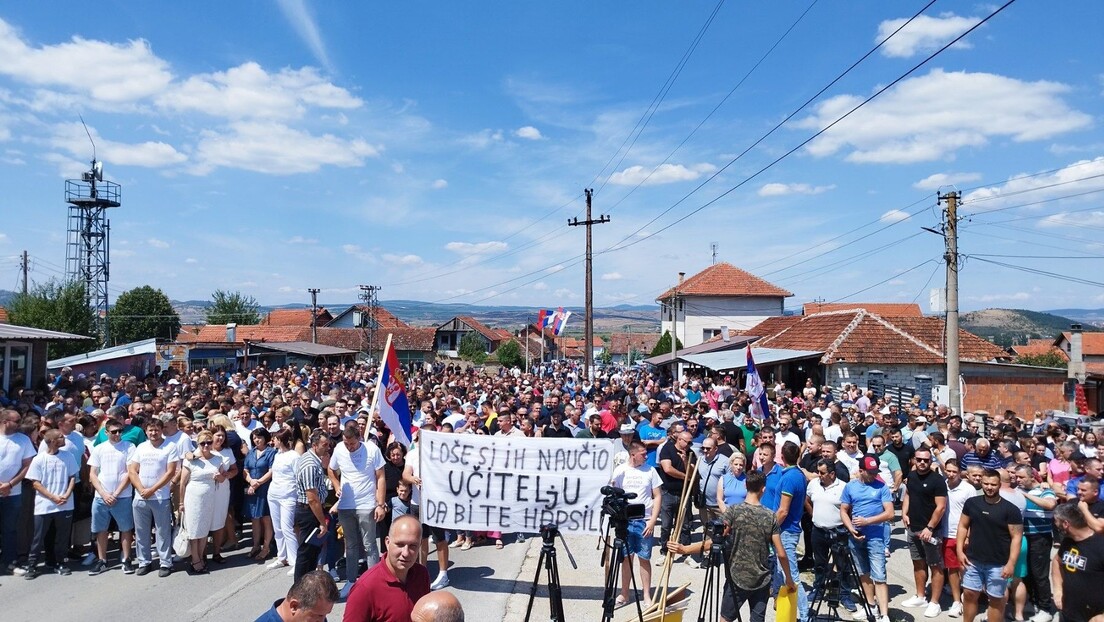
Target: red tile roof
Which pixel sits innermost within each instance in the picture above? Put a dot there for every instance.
(492, 334)
(295, 317)
(406, 338)
(216, 333)
(1092, 344)
(384, 318)
(864, 337)
(3, 315)
(884, 309)
(621, 343)
(1038, 347)
(725, 279)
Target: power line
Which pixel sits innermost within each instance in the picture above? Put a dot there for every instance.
(1055, 275)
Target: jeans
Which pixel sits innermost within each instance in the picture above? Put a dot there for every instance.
(150, 514)
(306, 559)
(360, 536)
(10, 509)
(283, 527)
(789, 543)
(733, 597)
(823, 542)
(60, 521)
(1038, 571)
(668, 514)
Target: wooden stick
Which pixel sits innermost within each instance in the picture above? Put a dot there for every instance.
(690, 480)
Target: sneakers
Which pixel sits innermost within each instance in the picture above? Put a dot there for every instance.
(98, 567)
(932, 610)
(143, 570)
(276, 563)
(884, 619)
(849, 604)
(1041, 616)
(955, 611)
(693, 563)
(333, 573)
(31, 572)
(63, 570)
(128, 567)
(89, 559)
(915, 601)
(164, 571)
(17, 570)
(441, 581)
(344, 593)
(860, 614)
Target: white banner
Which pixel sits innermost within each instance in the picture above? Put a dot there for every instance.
(494, 483)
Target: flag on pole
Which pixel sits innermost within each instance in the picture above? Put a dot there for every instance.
(759, 407)
(545, 318)
(394, 408)
(561, 321)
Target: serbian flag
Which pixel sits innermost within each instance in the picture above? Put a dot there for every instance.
(561, 321)
(394, 409)
(759, 407)
(545, 318)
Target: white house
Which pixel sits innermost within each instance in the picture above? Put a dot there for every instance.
(720, 295)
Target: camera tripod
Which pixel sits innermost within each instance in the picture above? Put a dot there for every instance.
(830, 587)
(615, 556)
(713, 589)
(547, 561)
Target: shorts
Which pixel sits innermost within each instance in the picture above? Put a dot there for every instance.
(438, 534)
(930, 554)
(870, 557)
(639, 544)
(950, 554)
(987, 577)
(122, 512)
(1020, 571)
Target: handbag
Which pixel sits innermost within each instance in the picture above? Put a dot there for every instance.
(181, 541)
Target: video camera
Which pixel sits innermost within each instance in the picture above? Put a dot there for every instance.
(616, 505)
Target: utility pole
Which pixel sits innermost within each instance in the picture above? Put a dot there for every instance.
(674, 331)
(950, 234)
(588, 362)
(25, 267)
(314, 314)
(368, 294)
(713, 247)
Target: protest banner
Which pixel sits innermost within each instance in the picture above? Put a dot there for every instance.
(510, 484)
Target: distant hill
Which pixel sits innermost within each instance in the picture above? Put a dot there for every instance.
(1094, 317)
(1006, 327)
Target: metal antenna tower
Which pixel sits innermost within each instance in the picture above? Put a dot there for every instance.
(88, 241)
(369, 295)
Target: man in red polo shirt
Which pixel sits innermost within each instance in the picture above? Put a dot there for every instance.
(388, 591)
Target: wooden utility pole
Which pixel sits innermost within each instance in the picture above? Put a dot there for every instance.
(314, 314)
(25, 267)
(588, 362)
(950, 234)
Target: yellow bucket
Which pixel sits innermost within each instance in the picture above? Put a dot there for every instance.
(785, 605)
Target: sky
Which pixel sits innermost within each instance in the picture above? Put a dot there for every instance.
(438, 149)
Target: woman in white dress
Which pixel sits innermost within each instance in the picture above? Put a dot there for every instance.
(222, 495)
(281, 500)
(199, 483)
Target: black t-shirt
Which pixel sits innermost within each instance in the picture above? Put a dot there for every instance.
(989, 538)
(904, 455)
(1082, 567)
(672, 485)
(808, 462)
(733, 435)
(560, 432)
(725, 449)
(922, 493)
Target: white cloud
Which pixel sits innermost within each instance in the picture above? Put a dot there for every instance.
(277, 149)
(778, 190)
(439, 184)
(1014, 297)
(563, 292)
(358, 253)
(540, 286)
(477, 248)
(894, 215)
(1065, 219)
(918, 121)
(663, 174)
(1079, 177)
(298, 239)
(123, 72)
(556, 268)
(403, 260)
(3, 238)
(528, 132)
(612, 276)
(939, 180)
(483, 139)
(924, 34)
(191, 260)
(248, 91)
(155, 243)
(299, 17)
(72, 138)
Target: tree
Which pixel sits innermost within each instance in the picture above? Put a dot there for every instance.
(471, 348)
(60, 306)
(663, 346)
(1047, 359)
(633, 356)
(235, 307)
(606, 357)
(509, 355)
(142, 313)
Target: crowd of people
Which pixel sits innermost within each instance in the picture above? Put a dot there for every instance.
(172, 467)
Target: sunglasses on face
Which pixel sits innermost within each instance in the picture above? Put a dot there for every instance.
(114, 431)
(206, 444)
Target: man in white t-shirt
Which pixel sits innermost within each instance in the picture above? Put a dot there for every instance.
(54, 475)
(16, 453)
(108, 475)
(958, 491)
(356, 471)
(643, 485)
(412, 475)
(152, 468)
(245, 425)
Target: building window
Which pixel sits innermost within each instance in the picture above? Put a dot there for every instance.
(15, 366)
(709, 333)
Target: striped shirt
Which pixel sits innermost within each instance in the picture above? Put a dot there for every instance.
(1037, 520)
(309, 475)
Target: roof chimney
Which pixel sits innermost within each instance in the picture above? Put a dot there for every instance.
(682, 275)
(231, 332)
(1076, 367)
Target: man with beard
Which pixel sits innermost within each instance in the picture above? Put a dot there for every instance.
(1077, 571)
(988, 546)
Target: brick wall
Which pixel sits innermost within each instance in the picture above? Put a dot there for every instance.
(996, 394)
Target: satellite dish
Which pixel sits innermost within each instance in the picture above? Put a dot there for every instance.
(97, 170)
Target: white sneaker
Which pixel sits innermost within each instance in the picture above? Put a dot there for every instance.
(441, 581)
(884, 619)
(955, 611)
(276, 563)
(1042, 616)
(915, 601)
(932, 610)
(859, 615)
(291, 571)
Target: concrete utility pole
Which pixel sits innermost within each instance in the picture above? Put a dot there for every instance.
(314, 314)
(25, 267)
(674, 331)
(368, 294)
(588, 362)
(950, 234)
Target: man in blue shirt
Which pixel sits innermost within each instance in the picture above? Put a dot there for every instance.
(786, 491)
(866, 508)
(652, 435)
(312, 597)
